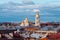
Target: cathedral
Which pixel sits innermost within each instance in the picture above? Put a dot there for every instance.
(25, 22)
(37, 20)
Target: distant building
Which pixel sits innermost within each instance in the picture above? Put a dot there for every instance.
(25, 22)
(37, 19)
(22, 24)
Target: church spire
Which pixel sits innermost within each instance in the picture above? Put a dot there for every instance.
(37, 19)
(26, 21)
(22, 24)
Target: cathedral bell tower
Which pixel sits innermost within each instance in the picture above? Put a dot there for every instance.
(37, 19)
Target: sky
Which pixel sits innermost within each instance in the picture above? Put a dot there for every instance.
(35, 1)
(29, 7)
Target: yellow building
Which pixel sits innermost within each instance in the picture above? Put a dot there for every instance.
(37, 19)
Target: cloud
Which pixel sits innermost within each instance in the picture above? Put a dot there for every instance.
(35, 10)
(27, 10)
(16, 7)
(51, 4)
(52, 8)
(29, 6)
(28, 2)
(4, 9)
(46, 9)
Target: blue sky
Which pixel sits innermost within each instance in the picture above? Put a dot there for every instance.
(35, 1)
(29, 7)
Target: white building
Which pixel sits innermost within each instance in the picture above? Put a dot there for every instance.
(37, 19)
(25, 22)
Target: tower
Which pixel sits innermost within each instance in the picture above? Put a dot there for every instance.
(37, 19)
(26, 22)
(22, 24)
